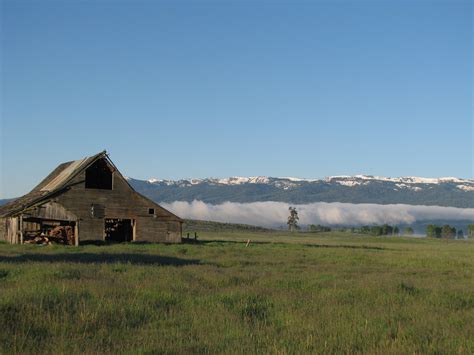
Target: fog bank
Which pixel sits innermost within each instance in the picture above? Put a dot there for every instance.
(270, 214)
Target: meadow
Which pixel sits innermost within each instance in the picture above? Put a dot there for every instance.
(283, 293)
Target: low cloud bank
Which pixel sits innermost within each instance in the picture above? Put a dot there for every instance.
(270, 214)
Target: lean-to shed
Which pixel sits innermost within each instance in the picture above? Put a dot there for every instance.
(93, 201)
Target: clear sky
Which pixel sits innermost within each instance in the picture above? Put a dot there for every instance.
(176, 89)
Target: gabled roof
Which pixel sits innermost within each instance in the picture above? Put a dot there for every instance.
(55, 182)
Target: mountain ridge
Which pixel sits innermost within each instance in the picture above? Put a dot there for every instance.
(236, 180)
(445, 191)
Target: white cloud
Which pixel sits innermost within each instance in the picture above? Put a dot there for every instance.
(276, 213)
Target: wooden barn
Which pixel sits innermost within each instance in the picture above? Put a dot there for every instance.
(87, 200)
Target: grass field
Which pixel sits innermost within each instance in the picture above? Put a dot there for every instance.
(302, 293)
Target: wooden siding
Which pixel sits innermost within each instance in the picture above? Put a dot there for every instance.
(52, 211)
(120, 202)
(150, 230)
(11, 234)
(3, 229)
(91, 229)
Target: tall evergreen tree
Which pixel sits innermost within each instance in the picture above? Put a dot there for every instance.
(293, 219)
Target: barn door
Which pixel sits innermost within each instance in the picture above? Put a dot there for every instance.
(118, 230)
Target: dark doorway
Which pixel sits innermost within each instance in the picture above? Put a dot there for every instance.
(118, 230)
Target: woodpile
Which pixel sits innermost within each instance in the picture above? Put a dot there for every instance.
(58, 235)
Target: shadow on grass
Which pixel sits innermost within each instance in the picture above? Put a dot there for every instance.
(220, 241)
(100, 258)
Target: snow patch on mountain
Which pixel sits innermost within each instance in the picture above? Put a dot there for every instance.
(295, 179)
(404, 180)
(349, 183)
(238, 180)
(152, 181)
(405, 186)
(466, 187)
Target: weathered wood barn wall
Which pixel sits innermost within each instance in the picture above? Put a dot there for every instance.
(92, 198)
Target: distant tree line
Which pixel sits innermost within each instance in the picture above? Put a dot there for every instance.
(432, 230)
(384, 229)
(448, 232)
(318, 228)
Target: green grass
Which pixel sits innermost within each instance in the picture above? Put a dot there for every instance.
(302, 293)
(192, 225)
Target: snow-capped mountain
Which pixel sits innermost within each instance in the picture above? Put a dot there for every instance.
(445, 191)
(342, 179)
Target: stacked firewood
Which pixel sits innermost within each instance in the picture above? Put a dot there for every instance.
(58, 235)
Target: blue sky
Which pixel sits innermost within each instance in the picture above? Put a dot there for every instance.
(176, 89)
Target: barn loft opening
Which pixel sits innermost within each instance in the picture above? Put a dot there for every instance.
(118, 230)
(99, 176)
(151, 211)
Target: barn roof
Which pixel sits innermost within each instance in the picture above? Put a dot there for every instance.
(52, 184)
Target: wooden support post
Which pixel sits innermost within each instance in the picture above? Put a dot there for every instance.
(134, 229)
(76, 234)
(21, 228)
